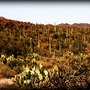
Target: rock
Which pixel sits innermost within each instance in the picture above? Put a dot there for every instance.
(8, 84)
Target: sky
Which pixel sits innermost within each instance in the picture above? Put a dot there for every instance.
(47, 12)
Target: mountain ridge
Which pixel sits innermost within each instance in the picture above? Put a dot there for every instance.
(61, 24)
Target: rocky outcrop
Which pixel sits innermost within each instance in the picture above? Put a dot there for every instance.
(8, 84)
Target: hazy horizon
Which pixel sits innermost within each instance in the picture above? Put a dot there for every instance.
(47, 12)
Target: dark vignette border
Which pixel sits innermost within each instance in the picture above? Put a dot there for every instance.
(44, 0)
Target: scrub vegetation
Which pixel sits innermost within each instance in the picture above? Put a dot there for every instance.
(45, 57)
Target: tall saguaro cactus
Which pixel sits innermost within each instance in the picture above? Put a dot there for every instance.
(45, 30)
(67, 34)
(84, 38)
(55, 27)
(50, 51)
(74, 37)
(38, 40)
(71, 30)
(31, 49)
(60, 47)
(36, 29)
(47, 34)
(40, 49)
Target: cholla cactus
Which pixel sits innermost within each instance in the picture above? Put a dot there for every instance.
(37, 71)
(37, 76)
(26, 69)
(3, 59)
(35, 55)
(32, 72)
(3, 56)
(81, 56)
(33, 68)
(34, 61)
(11, 58)
(40, 66)
(40, 76)
(46, 72)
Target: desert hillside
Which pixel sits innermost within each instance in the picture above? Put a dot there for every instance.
(21, 38)
(44, 57)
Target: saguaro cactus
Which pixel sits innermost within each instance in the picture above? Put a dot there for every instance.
(35, 30)
(38, 40)
(84, 38)
(40, 49)
(55, 27)
(74, 37)
(45, 30)
(31, 49)
(60, 47)
(71, 30)
(67, 34)
(50, 45)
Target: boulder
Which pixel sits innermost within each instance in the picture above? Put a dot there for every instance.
(8, 84)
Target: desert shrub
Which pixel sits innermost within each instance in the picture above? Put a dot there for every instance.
(69, 72)
(55, 36)
(78, 47)
(1, 28)
(63, 36)
(15, 63)
(66, 75)
(88, 58)
(6, 71)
